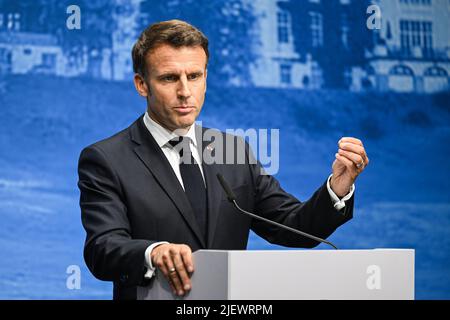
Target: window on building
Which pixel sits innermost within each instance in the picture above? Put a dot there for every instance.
(286, 74)
(427, 38)
(284, 25)
(405, 37)
(401, 70)
(416, 34)
(345, 30)
(436, 72)
(316, 29)
(12, 21)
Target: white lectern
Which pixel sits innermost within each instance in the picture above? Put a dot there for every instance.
(292, 275)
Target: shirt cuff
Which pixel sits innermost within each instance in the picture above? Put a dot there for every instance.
(339, 204)
(148, 261)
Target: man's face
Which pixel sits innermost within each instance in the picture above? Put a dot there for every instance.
(176, 85)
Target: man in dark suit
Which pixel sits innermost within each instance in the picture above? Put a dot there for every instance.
(147, 198)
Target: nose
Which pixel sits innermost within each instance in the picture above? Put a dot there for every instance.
(183, 91)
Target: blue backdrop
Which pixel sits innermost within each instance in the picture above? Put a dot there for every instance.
(316, 70)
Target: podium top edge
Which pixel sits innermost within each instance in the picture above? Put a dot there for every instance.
(312, 250)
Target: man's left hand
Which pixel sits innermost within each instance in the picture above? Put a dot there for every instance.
(351, 160)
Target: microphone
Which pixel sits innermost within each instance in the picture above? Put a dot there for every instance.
(232, 198)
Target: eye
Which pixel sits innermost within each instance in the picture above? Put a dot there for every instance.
(194, 76)
(169, 78)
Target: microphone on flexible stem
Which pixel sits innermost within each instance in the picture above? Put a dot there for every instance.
(232, 198)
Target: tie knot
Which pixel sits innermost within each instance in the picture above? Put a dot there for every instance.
(176, 141)
(179, 143)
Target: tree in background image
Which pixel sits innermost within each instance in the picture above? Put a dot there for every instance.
(50, 17)
(95, 34)
(229, 26)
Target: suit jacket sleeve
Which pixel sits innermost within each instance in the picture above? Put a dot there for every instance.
(316, 216)
(110, 252)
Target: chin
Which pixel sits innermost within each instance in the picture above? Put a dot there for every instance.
(186, 122)
(186, 125)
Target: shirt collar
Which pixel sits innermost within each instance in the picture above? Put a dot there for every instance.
(162, 135)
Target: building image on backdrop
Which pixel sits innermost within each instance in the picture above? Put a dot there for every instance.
(315, 69)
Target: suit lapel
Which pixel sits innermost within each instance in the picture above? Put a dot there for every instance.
(213, 189)
(156, 162)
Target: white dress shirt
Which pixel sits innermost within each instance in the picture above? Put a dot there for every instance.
(162, 136)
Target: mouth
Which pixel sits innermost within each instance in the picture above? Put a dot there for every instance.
(184, 109)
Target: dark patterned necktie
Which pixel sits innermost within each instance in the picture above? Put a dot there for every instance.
(194, 186)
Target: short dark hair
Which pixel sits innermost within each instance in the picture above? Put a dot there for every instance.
(175, 33)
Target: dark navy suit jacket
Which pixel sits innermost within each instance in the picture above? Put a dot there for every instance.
(130, 198)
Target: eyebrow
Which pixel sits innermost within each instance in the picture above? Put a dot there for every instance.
(176, 74)
(168, 73)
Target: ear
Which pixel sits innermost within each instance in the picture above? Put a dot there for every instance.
(141, 85)
(206, 76)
